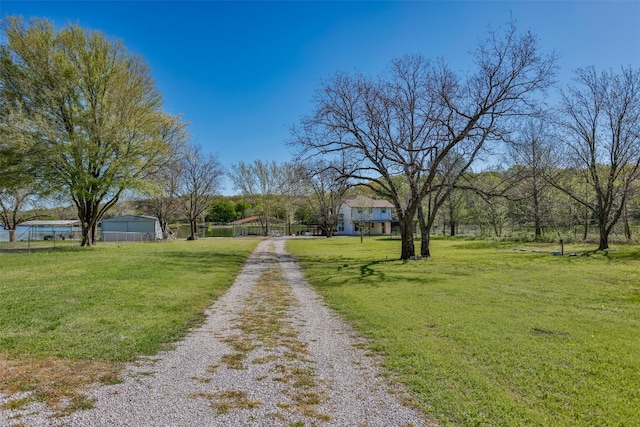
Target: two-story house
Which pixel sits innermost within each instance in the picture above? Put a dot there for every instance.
(363, 213)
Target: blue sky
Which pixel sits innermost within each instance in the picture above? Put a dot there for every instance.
(242, 73)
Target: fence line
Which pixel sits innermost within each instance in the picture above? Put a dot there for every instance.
(569, 233)
(125, 236)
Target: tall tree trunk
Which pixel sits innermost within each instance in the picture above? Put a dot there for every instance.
(88, 238)
(585, 233)
(538, 231)
(604, 237)
(452, 217)
(425, 230)
(12, 234)
(326, 226)
(194, 230)
(627, 229)
(603, 216)
(94, 232)
(163, 227)
(537, 217)
(406, 235)
(625, 220)
(87, 214)
(425, 242)
(266, 216)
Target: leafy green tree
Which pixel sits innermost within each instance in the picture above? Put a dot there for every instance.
(328, 191)
(94, 113)
(223, 211)
(304, 215)
(18, 187)
(242, 208)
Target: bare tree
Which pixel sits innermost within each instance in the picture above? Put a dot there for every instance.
(328, 189)
(162, 202)
(443, 183)
(259, 182)
(533, 155)
(453, 211)
(199, 179)
(292, 190)
(406, 123)
(164, 183)
(12, 209)
(601, 124)
(488, 199)
(362, 217)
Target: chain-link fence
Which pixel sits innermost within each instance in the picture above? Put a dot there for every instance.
(125, 236)
(26, 241)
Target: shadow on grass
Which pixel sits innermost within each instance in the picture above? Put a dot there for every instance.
(38, 249)
(367, 270)
(370, 271)
(627, 254)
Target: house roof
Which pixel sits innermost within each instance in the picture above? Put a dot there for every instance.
(130, 218)
(366, 202)
(257, 219)
(55, 222)
(247, 220)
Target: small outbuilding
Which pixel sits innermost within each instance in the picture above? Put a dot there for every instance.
(49, 230)
(130, 228)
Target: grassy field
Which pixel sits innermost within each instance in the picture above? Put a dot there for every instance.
(488, 334)
(71, 315)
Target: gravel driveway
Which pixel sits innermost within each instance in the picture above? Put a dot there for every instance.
(269, 354)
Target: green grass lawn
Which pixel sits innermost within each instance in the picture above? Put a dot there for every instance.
(486, 334)
(108, 304)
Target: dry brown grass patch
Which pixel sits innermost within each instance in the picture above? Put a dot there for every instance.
(265, 359)
(226, 401)
(264, 321)
(59, 383)
(234, 360)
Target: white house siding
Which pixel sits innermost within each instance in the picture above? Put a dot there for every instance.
(376, 214)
